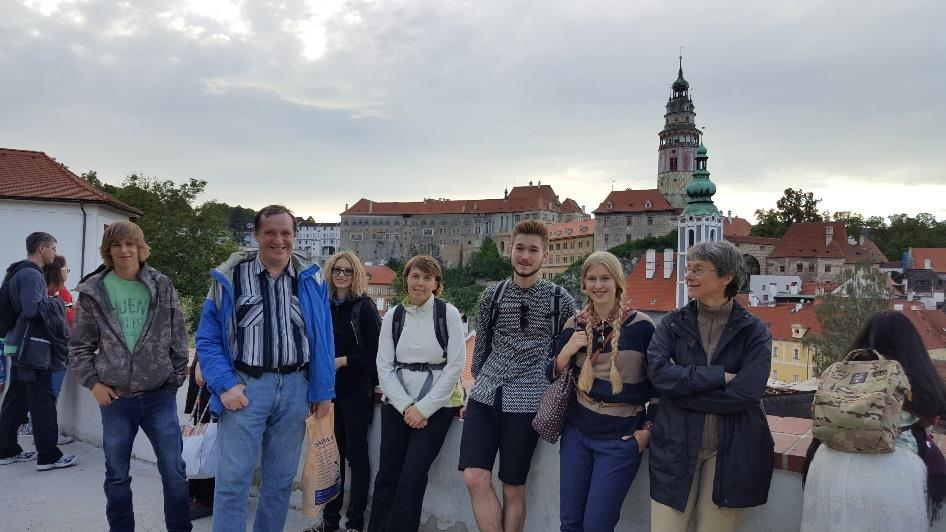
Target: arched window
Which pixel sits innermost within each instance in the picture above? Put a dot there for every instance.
(690, 238)
(712, 235)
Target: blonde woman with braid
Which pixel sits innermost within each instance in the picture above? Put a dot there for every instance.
(608, 424)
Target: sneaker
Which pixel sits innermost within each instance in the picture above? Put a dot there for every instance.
(63, 439)
(199, 509)
(25, 429)
(25, 456)
(321, 526)
(65, 460)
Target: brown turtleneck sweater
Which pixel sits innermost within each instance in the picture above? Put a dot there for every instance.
(712, 323)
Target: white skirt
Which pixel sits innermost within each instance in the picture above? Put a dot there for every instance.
(860, 492)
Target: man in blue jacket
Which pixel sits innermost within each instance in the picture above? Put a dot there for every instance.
(266, 349)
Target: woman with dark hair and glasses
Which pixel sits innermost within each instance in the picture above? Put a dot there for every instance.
(56, 275)
(421, 353)
(356, 326)
(711, 451)
(900, 490)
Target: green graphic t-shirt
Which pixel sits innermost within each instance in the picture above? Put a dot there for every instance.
(130, 299)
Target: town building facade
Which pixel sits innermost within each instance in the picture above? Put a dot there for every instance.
(821, 252)
(569, 242)
(451, 230)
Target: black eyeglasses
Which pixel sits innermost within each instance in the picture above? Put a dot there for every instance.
(523, 316)
(345, 272)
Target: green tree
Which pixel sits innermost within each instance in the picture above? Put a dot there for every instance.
(794, 206)
(843, 314)
(187, 241)
(905, 231)
(487, 263)
(239, 219)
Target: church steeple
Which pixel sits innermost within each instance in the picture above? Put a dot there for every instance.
(700, 221)
(678, 142)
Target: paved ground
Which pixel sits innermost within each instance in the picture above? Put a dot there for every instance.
(71, 499)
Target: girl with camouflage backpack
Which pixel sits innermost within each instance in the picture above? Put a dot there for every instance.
(882, 491)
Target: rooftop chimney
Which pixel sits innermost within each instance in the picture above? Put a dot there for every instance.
(927, 264)
(370, 206)
(651, 263)
(829, 234)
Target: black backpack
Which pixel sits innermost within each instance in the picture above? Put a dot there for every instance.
(440, 325)
(8, 313)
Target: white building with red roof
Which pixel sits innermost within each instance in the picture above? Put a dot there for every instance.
(381, 285)
(38, 193)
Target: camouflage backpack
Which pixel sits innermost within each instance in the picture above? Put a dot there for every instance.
(857, 406)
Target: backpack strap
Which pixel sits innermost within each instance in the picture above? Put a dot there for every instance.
(491, 321)
(397, 327)
(556, 314)
(440, 324)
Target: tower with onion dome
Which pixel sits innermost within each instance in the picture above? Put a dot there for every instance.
(700, 220)
(679, 139)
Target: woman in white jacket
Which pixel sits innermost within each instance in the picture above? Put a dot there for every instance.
(421, 353)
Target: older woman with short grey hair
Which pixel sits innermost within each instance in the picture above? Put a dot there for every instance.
(711, 450)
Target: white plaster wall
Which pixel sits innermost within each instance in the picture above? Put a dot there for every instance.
(62, 220)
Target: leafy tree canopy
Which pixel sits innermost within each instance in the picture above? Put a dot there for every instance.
(793, 206)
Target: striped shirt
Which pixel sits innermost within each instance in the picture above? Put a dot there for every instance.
(268, 327)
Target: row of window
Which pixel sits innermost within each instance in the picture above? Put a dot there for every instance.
(568, 245)
(776, 350)
(800, 268)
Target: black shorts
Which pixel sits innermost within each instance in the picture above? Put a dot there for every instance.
(486, 429)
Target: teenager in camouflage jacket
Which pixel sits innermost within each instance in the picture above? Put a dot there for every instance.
(160, 357)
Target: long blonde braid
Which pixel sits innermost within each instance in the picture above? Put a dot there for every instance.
(613, 265)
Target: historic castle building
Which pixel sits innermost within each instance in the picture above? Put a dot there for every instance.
(451, 230)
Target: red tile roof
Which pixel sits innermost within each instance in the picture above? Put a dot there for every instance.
(655, 294)
(809, 240)
(33, 175)
(520, 199)
(931, 324)
(758, 240)
(735, 226)
(937, 258)
(571, 206)
(780, 319)
(621, 201)
(379, 274)
(564, 230)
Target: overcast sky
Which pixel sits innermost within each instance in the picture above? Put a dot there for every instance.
(318, 103)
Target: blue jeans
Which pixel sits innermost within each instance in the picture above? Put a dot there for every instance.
(58, 377)
(595, 477)
(156, 413)
(274, 423)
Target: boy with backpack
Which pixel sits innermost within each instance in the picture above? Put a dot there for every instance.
(519, 321)
(33, 327)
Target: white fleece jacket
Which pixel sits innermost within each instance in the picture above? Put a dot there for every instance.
(418, 343)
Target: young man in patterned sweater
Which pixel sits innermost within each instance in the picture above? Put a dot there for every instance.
(519, 320)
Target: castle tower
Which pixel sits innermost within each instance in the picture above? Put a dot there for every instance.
(700, 220)
(678, 143)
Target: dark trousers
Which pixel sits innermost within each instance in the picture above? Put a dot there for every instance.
(596, 475)
(406, 457)
(155, 413)
(352, 420)
(36, 397)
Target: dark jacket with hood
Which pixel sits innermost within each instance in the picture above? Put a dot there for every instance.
(97, 348)
(38, 340)
(690, 389)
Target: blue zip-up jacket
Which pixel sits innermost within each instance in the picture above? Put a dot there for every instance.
(213, 331)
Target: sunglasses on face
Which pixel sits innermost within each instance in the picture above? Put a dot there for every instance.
(344, 272)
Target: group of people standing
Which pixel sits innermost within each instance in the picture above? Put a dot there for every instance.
(280, 339)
